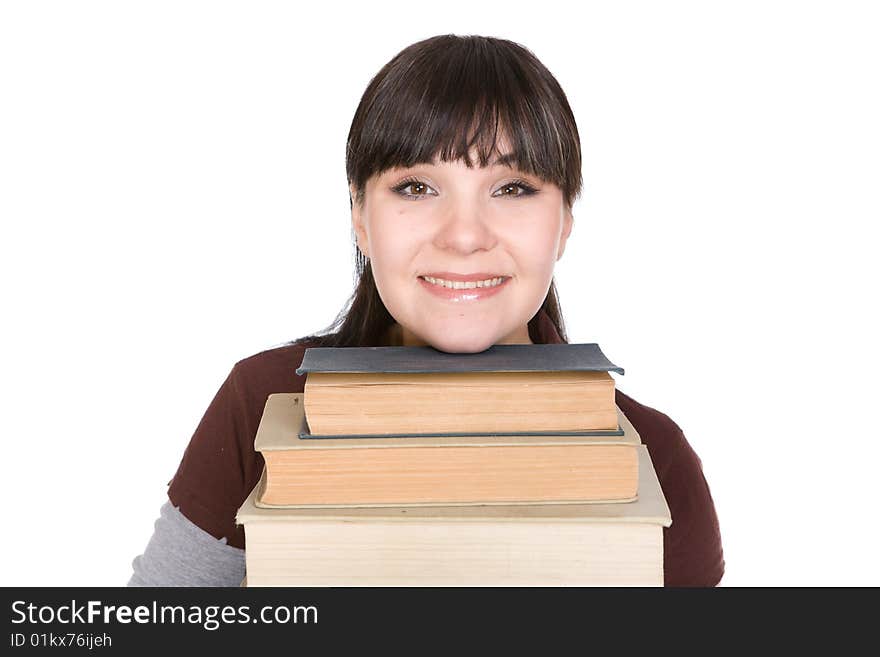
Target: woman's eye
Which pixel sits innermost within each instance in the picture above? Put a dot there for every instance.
(418, 188)
(511, 187)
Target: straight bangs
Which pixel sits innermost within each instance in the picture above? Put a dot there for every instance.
(442, 98)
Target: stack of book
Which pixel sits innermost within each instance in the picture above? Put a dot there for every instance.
(408, 466)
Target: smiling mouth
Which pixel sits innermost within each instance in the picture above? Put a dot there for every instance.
(465, 285)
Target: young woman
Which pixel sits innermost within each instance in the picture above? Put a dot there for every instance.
(463, 161)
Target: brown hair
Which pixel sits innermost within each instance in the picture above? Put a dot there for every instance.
(446, 95)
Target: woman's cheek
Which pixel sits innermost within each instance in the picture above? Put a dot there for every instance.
(535, 251)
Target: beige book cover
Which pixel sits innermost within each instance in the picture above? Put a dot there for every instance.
(493, 545)
(582, 469)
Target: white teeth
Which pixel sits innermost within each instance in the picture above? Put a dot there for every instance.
(458, 285)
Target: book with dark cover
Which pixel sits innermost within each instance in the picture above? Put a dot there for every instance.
(497, 358)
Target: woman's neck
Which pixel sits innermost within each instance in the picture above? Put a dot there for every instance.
(397, 336)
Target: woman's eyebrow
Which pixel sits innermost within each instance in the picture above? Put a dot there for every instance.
(504, 160)
(508, 160)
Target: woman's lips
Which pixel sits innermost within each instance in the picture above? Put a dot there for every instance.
(469, 294)
(462, 278)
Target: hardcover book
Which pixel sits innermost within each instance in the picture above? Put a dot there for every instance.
(494, 545)
(505, 389)
(454, 469)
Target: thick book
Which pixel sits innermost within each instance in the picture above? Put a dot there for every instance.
(494, 545)
(440, 470)
(421, 390)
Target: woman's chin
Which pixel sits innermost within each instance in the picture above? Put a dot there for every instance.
(461, 344)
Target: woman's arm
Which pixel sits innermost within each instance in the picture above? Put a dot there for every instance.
(195, 540)
(182, 554)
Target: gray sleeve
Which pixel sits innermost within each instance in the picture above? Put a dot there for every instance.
(182, 554)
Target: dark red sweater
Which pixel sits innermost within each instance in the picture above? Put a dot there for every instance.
(220, 466)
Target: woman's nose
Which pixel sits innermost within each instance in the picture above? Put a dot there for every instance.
(465, 226)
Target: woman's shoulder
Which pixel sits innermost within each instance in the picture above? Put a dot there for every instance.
(660, 433)
(271, 370)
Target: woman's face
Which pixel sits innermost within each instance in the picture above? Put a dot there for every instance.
(445, 219)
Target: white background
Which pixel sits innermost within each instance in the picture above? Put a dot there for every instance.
(173, 199)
